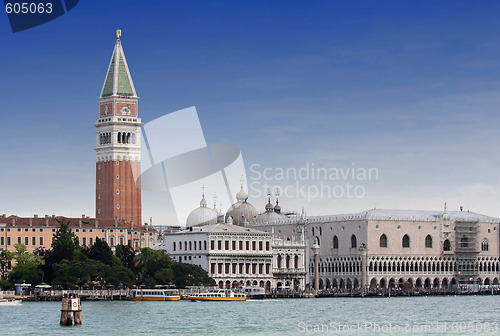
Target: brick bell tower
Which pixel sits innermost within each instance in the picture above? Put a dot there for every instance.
(118, 145)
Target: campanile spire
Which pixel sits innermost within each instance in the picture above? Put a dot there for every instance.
(118, 144)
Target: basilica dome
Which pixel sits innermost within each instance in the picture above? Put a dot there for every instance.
(202, 216)
(241, 212)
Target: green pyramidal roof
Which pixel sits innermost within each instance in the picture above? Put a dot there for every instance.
(118, 81)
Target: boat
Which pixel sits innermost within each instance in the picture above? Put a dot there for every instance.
(10, 302)
(218, 295)
(254, 292)
(155, 295)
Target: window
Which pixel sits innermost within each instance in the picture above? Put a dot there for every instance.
(296, 262)
(84, 241)
(335, 242)
(118, 206)
(2, 241)
(19, 240)
(279, 261)
(383, 240)
(226, 245)
(8, 241)
(205, 245)
(91, 241)
(406, 241)
(267, 246)
(260, 247)
(485, 245)
(33, 241)
(234, 245)
(428, 241)
(174, 246)
(41, 241)
(354, 241)
(240, 243)
(247, 245)
(464, 242)
(254, 246)
(111, 241)
(117, 176)
(219, 244)
(212, 245)
(447, 245)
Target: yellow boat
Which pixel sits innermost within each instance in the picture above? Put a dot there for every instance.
(218, 295)
(155, 295)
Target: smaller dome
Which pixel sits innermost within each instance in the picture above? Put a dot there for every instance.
(202, 215)
(277, 207)
(269, 206)
(241, 196)
(203, 202)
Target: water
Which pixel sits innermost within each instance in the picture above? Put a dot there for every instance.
(454, 315)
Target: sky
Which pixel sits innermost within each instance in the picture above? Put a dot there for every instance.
(406, 90)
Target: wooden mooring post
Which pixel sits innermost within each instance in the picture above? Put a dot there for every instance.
(71, 308)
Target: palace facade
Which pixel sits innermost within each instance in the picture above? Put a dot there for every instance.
(380, 249)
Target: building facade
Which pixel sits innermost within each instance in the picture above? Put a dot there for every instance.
(381, 249)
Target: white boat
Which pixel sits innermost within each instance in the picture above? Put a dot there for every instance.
(218, 295)
(155, 295)
(10, 302)
(254, 292)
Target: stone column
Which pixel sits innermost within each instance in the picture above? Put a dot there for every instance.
(315, 249)
(364, 254)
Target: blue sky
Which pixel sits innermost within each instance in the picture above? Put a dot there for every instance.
(409, 88)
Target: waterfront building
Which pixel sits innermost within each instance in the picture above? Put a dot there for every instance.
(37, 232)
(236, 255)
(397, 248)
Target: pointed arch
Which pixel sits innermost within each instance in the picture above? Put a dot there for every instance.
(354, 241)
(406, 241)
(428, 241)
(383, 240)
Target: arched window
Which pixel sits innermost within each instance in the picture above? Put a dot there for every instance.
(279, 261)
(174, 246)
(317, 241)
(296, 262)
(428, 241)
(119, 137)
(335, 242)
(447, 245)
(313, 231)
(485, 246)
(287, 263)
(464, 242)
(354, 241)
(383, 240)
(406, 241)
(320, 231)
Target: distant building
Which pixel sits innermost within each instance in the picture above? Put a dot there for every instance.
(421, 249)
(236, 255)
(37, 232)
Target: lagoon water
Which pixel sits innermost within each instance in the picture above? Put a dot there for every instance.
(454, 315)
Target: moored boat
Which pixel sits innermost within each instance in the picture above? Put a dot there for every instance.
(10, 302)
(218, 295)
(254, 292)
(155, 295)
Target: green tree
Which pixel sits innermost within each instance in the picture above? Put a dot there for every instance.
(6, 258)
(149, 262)
(126, 254)
(27, 266)
(65, 238)
(190, 275)
(102, 252)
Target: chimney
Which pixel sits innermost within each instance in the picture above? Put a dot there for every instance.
(35, 216)
(13, 221)
(31, 221)
(116, 221)
(83, 215)
(80, 222)
(96, 223)
(131, 225)
(53, 216)
(47, 220)
(3, 216)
